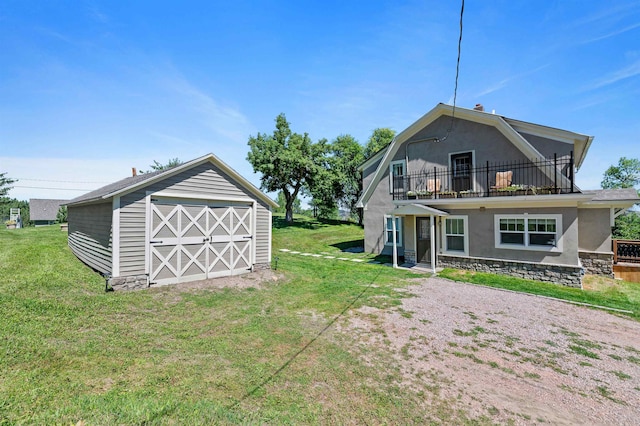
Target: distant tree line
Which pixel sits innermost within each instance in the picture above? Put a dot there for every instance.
(293, 165)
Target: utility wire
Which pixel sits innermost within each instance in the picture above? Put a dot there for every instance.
(43, 187)
(455, 89)
(61, 181)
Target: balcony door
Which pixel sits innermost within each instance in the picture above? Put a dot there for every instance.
(461, 166)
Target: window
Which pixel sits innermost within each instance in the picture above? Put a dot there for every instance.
(388, 230)
(396, 168)
(529, 232)
(456, 235)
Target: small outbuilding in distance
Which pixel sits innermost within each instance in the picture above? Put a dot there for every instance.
(195, 221)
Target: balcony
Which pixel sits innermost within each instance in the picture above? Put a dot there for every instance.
(542, 176)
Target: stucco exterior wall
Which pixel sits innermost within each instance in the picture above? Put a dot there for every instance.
(594, 227)
(482, 236)
(379, 205)
(548, 147)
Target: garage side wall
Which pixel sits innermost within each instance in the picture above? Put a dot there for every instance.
(90, 235)
(203, 180)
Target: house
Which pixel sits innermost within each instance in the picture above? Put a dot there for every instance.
(475, 190)
(44, 212)
(198, 220)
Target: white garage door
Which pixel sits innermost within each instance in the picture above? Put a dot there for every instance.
(197, 240)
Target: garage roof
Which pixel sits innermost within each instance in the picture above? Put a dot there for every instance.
(135, 182)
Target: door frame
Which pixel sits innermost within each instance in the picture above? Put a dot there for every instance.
(433, 229)
(472, 177)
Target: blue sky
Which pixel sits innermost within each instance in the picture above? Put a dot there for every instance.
(89, 89)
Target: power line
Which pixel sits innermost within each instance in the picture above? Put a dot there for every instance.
(455, 89)
(60, 181)
(59, 189)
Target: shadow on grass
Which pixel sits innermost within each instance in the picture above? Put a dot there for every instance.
(344, 245)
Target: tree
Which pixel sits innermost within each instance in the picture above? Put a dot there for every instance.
(281, 200)
(5, 184)
(380, 138)
(625, 175)
(346, 155)
(61, 217)
(627, 226)
(289, 162)
(156, 166)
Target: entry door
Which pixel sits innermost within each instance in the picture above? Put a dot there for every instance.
(461, 165)
(423, 238)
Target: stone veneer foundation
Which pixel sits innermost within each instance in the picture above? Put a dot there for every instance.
(133, 282)
(570, 276)
(597, 263)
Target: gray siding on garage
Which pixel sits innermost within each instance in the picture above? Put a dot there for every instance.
(205, 179)
(90, 235)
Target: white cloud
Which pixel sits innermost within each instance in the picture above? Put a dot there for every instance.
(225, 121)
(611, 78)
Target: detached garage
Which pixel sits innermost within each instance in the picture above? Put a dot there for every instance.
(195, 221)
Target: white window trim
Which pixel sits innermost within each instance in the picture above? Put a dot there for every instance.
(404, 172)
(559, 232)
(443, 225)
(473, 168)
(399, 229)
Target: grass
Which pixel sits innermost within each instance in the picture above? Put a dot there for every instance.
(598, 291)
(71, 352)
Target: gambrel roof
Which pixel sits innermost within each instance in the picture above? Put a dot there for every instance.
(510, 128)
(135, 182)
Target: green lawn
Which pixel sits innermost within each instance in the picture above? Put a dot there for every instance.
(70, 352)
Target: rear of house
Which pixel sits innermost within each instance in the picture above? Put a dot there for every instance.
(480, 191)
(195, 221)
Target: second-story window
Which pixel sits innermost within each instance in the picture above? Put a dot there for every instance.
(396, 176)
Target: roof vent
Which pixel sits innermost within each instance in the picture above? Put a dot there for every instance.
(479, 107)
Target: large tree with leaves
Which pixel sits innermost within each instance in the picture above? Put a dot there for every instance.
(625, 175)
(288, 161)
(346, 155)
(380, 138)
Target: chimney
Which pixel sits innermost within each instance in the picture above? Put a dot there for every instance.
(134, 172)
(479, 107)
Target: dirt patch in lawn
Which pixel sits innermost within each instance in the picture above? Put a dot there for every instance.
(255, 279)
(507, 357)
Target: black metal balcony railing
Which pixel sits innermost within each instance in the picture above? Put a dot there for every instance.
(530, 177)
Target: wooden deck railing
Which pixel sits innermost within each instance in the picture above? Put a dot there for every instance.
(626, 251)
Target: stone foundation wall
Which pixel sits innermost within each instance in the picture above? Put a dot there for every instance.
(597, 263)
(134, 282)
(409, 256)
(261, 266)
(570, 276)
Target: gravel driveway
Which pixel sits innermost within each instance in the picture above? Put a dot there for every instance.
(509, 357)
